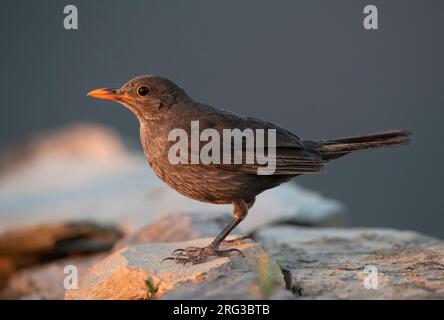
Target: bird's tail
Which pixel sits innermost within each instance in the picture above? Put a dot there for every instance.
(332, 149)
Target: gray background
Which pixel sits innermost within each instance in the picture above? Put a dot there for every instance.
(306, 65)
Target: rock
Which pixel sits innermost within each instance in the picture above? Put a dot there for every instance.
(101, 178)
(36, 244)
(330, 263)
(45, 282)
(136, 272)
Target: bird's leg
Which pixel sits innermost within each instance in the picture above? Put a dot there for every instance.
(249, 204)
(195, 255)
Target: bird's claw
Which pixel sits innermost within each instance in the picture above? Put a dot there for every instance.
(176, 260)
(178, 252)
(195, 255)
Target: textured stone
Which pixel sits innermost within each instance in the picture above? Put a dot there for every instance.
(330, 263)
(136, 272)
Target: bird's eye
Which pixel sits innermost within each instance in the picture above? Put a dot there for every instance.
(143, 91)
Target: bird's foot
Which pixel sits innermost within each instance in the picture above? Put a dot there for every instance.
(196, 255)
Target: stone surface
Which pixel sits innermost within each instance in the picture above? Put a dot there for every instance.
(329, 263)
(136, 272)
(299, 263)
(85, 172)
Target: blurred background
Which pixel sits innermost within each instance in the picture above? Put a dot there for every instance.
(309, 66)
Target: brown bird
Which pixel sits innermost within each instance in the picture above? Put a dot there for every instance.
(161, 106)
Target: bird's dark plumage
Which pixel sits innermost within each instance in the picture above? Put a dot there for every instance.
(161, 106)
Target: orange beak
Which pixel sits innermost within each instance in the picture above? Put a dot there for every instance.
(104, 93)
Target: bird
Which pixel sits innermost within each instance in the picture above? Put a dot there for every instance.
(161, 106)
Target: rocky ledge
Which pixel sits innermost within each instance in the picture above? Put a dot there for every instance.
(287, 262)
(137, 272)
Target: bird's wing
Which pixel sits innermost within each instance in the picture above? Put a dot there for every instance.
(292, 156)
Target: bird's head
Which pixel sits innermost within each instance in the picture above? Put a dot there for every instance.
(145, 96)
